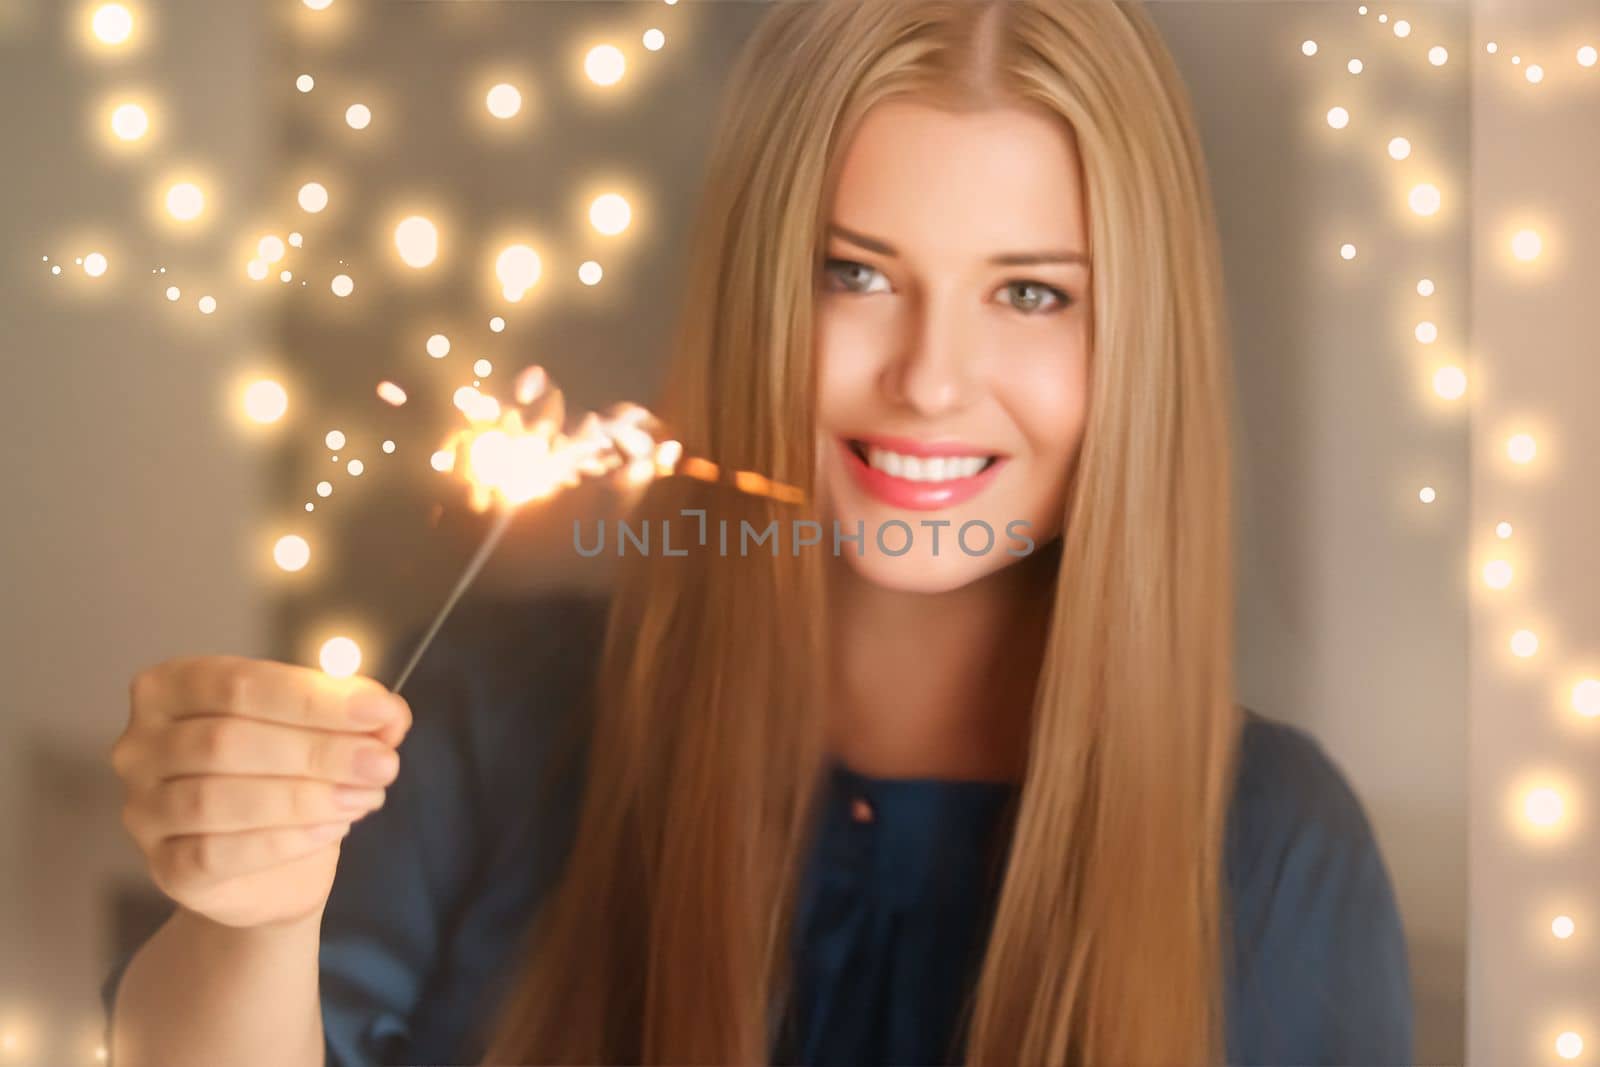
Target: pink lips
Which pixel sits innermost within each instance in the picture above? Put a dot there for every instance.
(918, 496)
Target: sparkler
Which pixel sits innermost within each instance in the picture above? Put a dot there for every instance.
(521, 454)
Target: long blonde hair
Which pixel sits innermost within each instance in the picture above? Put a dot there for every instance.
(667, 938)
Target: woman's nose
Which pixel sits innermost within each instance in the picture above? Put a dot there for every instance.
(932, 372)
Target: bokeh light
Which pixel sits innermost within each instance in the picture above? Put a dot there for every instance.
(610, 214)
(1399, 148)
(1497, 574)
(313, 197)
(335, 440)
(1524, 643)
(504, 101)
(438, 346)
(518, 267)
(589, 272)
(1586, 698)
(340, 657)
(130, 122)
(358, 116)
(1450, 382)
(1563, 926)
(265, 401)
(112, 23)
(604, 64)
(1526, 245)
(291, 553)
(342, 285)
(1426, 199)
(417, 240)
(1338, 118)
(1522, 448)
(95, 264)
(185, 201)
(1543, 807)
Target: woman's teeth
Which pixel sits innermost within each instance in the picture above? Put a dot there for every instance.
(925, 468)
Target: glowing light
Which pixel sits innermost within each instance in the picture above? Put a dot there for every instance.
(1535, 73)
(1586, 698)
(482, 368)
(291, 552)
(1522, 448)
(1563, 926)
(340, 657)
(1450, 382)
(1503, 530)
(1438, 56)
(271, 248)
(417, 240)
(343, 285)
(295, 240)
(1427, 495)
(130, 122)
(518, 267)
(1355, 66)
(1569, 1046)
(589, 272)
(94, 264)
(1347, 251)
(497, 324)
(173, 293)
(285, 276)
(442, 461)
(305, 83)
(1497, 574)
(1308, 48)
(388, 448)
(112, 23)
(355, 467)
(1543, 807)
(1399, 148)
(654, 39)
(610, 214)
(207, 305)
(313, 197)
(1425, 287)
(185, 201)
(504, 101)
(318, 5)
(391, 393)
(1527, 245)
(1491, 48)
(335, 440)
(256, 268)
(1524, 643)
(438, 346)
(604, 64)
(1587, 56)
(1402, 28)
(1426, 199)
(1338, 118)
(1427, 332)
(358, 116)
(265, 401)
(324, 488)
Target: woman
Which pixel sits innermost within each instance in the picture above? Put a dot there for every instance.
(838, 803)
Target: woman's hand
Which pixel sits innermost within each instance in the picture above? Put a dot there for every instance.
(242, 776)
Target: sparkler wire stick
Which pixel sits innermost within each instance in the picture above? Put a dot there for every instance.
(478, 560)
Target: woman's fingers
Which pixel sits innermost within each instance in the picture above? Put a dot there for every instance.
(195, 862)
(200, 804)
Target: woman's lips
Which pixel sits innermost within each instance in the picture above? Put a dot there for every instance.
(916, 496)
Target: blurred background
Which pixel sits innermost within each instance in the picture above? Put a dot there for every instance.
(147, 489)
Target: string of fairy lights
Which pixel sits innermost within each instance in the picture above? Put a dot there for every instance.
(1542, 807)
(491, 452)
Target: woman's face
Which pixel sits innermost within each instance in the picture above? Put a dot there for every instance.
(953, 332)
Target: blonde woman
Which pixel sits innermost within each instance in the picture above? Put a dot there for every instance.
(875, 797)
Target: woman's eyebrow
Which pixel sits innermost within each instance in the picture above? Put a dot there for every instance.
(1004, 259)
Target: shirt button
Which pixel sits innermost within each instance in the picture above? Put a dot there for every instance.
(860, 810)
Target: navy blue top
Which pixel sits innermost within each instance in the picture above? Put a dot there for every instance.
(422, 931)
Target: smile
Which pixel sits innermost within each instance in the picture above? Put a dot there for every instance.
(919, 475)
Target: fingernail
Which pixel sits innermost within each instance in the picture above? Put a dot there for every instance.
(356, 798)
(376, 764)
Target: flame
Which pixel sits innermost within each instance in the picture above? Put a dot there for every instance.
(521, 453)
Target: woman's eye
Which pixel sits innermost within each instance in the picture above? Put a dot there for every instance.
(1037, 295)
(843, 269)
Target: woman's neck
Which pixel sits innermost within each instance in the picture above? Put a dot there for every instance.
(938, 685)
